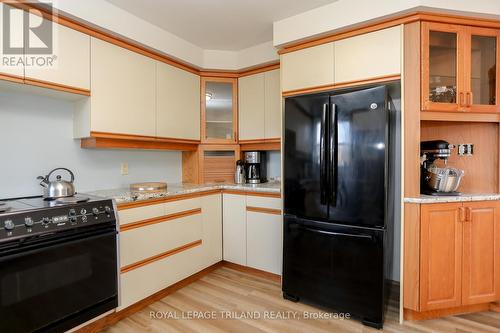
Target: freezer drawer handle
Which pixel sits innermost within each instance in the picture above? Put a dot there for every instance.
(337, 233)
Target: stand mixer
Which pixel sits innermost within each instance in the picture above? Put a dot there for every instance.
(433, 179)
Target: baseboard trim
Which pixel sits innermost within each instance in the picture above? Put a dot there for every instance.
(252, 271)
(431, 314)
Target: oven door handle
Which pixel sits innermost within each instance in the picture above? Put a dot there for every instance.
(24, 250)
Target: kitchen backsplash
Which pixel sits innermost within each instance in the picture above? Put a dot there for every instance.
(36, 135)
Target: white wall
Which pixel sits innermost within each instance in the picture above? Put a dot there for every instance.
(273, 164)
(36, 135)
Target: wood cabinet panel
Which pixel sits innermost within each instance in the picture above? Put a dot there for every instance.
(177, 103)
(272, 104)
(264, 241)
(481, 253)
(71, 66)
(251, 108)
(308, 68)
(369, 55)
(440, 256)
(234, 228)
(123, 90)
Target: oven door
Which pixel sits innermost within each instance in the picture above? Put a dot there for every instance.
(55, 285)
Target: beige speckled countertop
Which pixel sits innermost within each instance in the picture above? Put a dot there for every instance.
(123, 195)
(453, 198)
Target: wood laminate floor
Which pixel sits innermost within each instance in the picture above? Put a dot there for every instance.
(228, 293)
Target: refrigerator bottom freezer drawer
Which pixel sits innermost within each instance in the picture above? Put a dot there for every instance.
(335, 266)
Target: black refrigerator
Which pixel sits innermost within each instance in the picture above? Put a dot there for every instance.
(336, 183)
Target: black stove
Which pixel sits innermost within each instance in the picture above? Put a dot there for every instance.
(59, 262)
(34, 216)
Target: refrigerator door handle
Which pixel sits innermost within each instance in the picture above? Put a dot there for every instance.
(333, 152)
(322, 156)
(332, 233)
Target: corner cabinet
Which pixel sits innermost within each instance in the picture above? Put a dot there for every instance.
(259, 106)
(459, 255)
(460, 68)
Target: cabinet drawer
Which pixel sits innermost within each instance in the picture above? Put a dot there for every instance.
(264, 202)
(140, 213)
(173, 207)
(148, 241)
(144, 281)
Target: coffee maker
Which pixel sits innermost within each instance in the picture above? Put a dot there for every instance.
(435, 180)
(255, 167)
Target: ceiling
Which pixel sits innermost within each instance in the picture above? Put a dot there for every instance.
(218, 24)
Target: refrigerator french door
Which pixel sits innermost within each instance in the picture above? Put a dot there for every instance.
(335, 190)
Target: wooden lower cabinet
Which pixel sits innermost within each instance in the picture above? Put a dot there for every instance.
(459, 251)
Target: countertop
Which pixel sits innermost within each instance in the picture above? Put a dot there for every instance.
(123, 195)
(453, 198)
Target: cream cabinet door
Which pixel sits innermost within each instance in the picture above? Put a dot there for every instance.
(272, 105)
(177, 103)
(234, 228)
(369, 55)
(71, 62)
(211, 210)
(251, 106)
(308, 68)
(123, 90)
(265, 241)
(12, 64)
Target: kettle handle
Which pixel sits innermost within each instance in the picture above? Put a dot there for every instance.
(65, 169)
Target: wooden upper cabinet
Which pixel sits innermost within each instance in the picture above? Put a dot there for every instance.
(371, 55)
(308, 68)
(440, 256)
(272, 104)
(123, 91)
(251, 108)
(481, 253)
(260, 106)
(71, 61)
(459, 68)
(177, 103)
(219, 105)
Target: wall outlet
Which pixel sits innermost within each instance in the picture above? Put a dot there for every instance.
(465, 149)
(124, 169)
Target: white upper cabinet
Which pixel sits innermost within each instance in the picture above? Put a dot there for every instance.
(307, 68)
(123, 90)
(251, 108)
(369, 55)
(177, 103)
(272, 105)
(13, 67)
(71, 61)
(260, 106)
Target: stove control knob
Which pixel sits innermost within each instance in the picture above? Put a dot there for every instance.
(95, 211)
(107, 209)
(72, 212)
(83, 211)
(9, 225)
(45, 221)
(28, 221)
(72, 219)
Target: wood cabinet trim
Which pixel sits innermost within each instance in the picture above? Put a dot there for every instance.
(160, 219)
(255, 194)
(11, 78)
(56, 86)
(260, 144)
(264, 210)
(160, 256)
(379, 79)
(149, 202)
(424, 315)
(460, 116)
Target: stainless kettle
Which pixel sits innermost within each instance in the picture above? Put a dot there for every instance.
(58, 188)
(239, 174)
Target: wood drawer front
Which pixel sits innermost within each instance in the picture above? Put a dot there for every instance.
(144, 281)
(179, 206)
(264, 202)
(140, 213)
(145, 242)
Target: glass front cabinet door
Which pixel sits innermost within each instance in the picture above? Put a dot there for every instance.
(459, 68)
(219, 110)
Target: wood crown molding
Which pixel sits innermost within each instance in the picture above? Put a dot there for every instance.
(340, 85)
(384, 23)
(160, 219)
(160, 256)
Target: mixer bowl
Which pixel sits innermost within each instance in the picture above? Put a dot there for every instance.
(444, 179)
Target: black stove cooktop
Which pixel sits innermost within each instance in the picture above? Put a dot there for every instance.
(35, 216)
